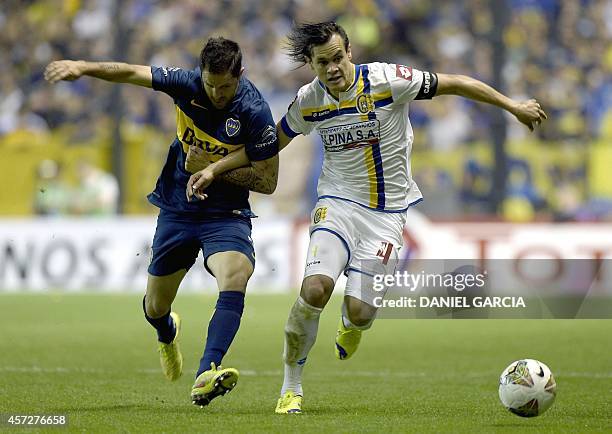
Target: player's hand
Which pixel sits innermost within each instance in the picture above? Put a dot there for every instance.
(64, 70)
(198, 182)
(529, 113)
(196, 160)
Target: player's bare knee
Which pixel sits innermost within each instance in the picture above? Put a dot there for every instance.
(316, 290)
(156, 307)
(231, 269)
(234, 280)
(361, 314)
(359, 320)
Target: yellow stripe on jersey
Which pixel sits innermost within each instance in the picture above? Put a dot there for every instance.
(381, 95)
(369, 161)
(349, 103)
(189, 134)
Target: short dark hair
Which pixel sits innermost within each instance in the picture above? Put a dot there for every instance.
(304, 36)
(221, 55)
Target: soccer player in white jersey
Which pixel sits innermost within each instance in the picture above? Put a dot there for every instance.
(365, 187)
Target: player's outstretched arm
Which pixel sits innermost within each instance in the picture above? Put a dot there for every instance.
(528, 112)
(116, 72)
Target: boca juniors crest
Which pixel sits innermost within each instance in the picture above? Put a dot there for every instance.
(232, 127)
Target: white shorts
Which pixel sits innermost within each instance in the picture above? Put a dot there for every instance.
(347, 237)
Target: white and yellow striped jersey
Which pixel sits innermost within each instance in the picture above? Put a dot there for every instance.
(366, 134)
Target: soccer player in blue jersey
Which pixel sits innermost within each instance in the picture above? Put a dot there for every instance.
(360, 112)
(218, 111)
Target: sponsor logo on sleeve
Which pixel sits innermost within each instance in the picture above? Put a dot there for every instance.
(165, 70)
(268, 137)
(404, 72)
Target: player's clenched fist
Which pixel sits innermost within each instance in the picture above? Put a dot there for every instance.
(64, 70)
(529, 113)
(198, 182)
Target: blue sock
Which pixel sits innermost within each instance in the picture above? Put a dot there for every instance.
(222, 328)
(164, 325)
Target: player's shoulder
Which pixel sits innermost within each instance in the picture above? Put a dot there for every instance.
(250, 99)
(185, 75)
(310, 93)
(377, 67)
(384, 71)
(194, 79)
(178, 82)
(252, 109)
(194, 75)
(373, 73)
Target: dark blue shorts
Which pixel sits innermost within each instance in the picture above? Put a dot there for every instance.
(178, 240)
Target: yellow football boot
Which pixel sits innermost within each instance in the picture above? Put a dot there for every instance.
(347, 341)
(212, 383)
(289, 403)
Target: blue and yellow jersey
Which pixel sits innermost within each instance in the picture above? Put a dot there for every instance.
(366, 134)
(245, 122)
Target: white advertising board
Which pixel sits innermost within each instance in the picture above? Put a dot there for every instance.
(112, 254)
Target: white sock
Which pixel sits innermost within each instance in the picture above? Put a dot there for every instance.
(300, 335)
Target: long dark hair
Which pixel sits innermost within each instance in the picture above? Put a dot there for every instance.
(221, 55)
(304, 36)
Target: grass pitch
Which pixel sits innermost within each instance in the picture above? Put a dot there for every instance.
(93, 358)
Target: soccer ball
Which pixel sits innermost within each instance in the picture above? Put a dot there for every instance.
(527, 388)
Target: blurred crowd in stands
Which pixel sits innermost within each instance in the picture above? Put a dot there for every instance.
(557, 51)
(95, 194)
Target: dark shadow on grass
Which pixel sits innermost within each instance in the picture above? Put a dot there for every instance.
(522, 426)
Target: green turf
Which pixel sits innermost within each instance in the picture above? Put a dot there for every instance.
(93, 357)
